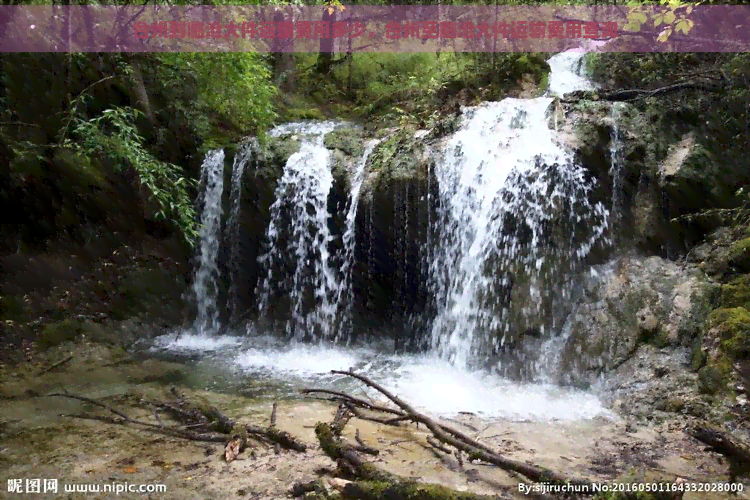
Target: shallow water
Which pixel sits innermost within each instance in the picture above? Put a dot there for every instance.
(243, 364)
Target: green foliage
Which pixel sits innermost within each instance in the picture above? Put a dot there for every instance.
(408, 88)
(114, 134)
(671, 19)
(235, 86)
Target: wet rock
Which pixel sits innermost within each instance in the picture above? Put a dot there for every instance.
(589, 129)
(636, 301)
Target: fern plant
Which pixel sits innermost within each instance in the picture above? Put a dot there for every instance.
(115, 135)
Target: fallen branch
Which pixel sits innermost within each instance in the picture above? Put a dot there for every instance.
(473, 448)
(374, 483)
(635, 94)
(364, 447)
(56, 365)
(737, 452)
(206, 424)
(340, 396)
(190, 413)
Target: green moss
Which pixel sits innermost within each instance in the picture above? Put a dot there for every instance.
(696, 409)
(714, 377)
(671, 405)
(347, 140)
(733, 327)
(405, 490)
(736, 293)
(398, 159)
(57, 333)
(698, 357)
(739, 254)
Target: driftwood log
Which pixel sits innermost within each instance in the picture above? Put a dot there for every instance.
(370, 482)
(737, 452)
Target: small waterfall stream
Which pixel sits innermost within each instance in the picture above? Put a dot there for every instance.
(205, 285)
(344, 296)
(243, 155)
(299, 228)
(616, 170)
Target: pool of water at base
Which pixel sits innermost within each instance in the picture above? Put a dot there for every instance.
(264, 366)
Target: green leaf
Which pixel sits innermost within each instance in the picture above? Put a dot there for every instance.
(683, 25)
(659, 19)
(638, 17)
(664, 35)
(669, 17)
(633, 27)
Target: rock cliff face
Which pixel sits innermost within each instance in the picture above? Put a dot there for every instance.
(629, 303)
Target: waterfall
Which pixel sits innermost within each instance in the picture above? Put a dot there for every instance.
(615, 169)
(205, 286)
(567, 73)
(299, 231)
(320, 294)
(243, 155)
(344, 295)
(514, 215)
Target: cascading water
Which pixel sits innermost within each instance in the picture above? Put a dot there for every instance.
(508, 189)
(299, 230)
(344, 293)
(243, 155)
(615, 169)
(512, 209)
(566, 73)
(205, 286)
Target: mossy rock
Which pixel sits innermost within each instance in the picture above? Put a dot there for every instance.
(714, 377)
(733, 327)
(309, 113)
(153, 291)
(736, 293)
(405, 490)
(671, 405)
(101, 333)
(739, 255)
(273, 155)
(62, 331)
(698, 357)
(348, 140)
(696, 409)
(399, 159)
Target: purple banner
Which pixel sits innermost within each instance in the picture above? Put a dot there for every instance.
(685, 28)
